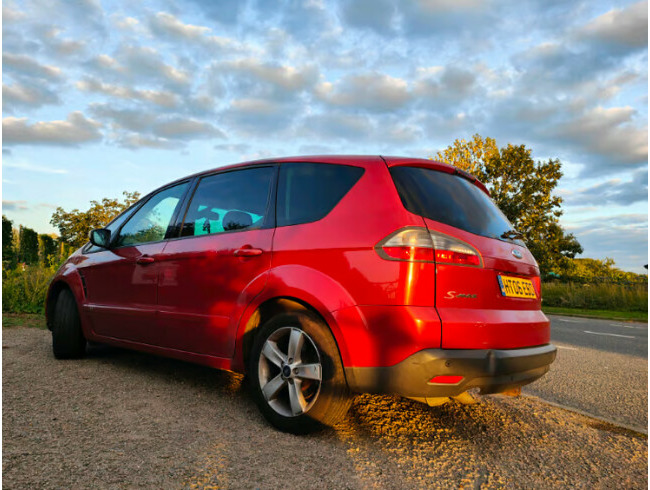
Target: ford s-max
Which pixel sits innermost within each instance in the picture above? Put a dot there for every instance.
(318, 277)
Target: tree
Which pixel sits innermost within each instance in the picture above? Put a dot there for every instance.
(47, 249)
(74, 226)
(8, 246)
(28, 245)
(523, 190)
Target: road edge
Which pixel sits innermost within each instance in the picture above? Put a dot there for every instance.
(628, 427)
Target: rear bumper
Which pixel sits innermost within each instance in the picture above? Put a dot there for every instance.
(491, 370)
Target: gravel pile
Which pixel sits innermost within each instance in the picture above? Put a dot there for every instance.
(123, 419)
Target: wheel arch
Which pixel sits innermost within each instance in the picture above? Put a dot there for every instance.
(263, 313)
(70, 280)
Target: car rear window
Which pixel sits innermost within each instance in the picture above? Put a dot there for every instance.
(449, 199)
(309, 191)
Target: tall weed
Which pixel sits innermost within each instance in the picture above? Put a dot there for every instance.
(601, 296)
(24, 288)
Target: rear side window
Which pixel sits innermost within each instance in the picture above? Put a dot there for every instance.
(449, 199)
(309, 191)
(230, 201)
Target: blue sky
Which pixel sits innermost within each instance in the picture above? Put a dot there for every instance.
(105, 96)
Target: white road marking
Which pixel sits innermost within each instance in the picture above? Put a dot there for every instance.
(610, 334)
(565, 347)
(569, 321)
(624, 326)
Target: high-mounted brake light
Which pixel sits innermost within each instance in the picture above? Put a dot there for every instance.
(420, 245)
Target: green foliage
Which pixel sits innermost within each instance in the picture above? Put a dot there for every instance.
(27, 245)
(8, 246)
(523, 190)
(74, 226)
(47, 249)
(596, 271)
(603, 296)
(24, 288)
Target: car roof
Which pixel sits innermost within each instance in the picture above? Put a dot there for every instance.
(361, 160)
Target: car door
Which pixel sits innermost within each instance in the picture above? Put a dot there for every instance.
(220, 260)
(121, 282)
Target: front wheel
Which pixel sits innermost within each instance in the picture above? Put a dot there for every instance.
(297, 377)
(68, 340)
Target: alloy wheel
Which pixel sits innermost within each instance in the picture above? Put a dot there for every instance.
(290, 371)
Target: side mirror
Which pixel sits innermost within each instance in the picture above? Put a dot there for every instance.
(101, 237)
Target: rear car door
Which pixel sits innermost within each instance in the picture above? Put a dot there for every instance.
(220, 260)
(121, 283)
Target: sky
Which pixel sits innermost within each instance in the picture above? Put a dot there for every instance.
(101, 97)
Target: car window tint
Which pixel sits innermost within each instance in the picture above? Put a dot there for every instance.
(112, 226)
(309, 191)
(150, 222)
(449, 199)
(229, 201)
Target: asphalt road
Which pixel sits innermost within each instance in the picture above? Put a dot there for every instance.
(601, 368)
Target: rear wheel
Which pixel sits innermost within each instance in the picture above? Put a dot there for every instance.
(296, 374)
(68, 341)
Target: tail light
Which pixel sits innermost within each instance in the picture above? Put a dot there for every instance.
(537, 284)
(422, 245)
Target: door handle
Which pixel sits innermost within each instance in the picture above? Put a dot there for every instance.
(248, 252)
(145, 260)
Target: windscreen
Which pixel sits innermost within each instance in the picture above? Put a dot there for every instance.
(451, 200)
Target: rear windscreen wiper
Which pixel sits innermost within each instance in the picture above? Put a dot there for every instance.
(513, 234)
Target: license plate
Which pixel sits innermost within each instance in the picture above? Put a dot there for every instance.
(516, 287)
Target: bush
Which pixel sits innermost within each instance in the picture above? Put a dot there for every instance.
(24, 288)
(601, 296)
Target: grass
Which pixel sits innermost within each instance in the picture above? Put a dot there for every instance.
(614, 297)
(603, 314)
(29, 320)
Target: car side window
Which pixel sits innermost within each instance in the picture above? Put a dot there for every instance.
(307, 192)
(229, 201)
(113, 227)
(150, 222)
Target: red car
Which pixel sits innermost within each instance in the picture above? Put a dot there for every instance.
(318, 277)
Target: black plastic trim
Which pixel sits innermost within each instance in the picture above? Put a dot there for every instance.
(491, 370)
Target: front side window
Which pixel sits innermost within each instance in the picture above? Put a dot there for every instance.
(307, 192)
(112, 226)
(150, 222)
(230, 201)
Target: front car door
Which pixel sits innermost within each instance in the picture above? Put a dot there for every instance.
(221, 258)
(121, 282)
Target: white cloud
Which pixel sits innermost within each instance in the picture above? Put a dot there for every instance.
(626, 27)
(14, 205)
(371, 91)
(166, 25)
(180, 128)
(613, 191)
(26, 65)
(23, 95)
(161, 98)
(30, 167)
(76, 129)
(609, 132)
(285, 77)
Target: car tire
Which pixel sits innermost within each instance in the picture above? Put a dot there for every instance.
(290, 352)
(68, 341)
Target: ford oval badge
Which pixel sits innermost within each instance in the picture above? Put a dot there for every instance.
(517, 254)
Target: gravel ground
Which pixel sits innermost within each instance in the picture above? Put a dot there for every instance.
(123, 419)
